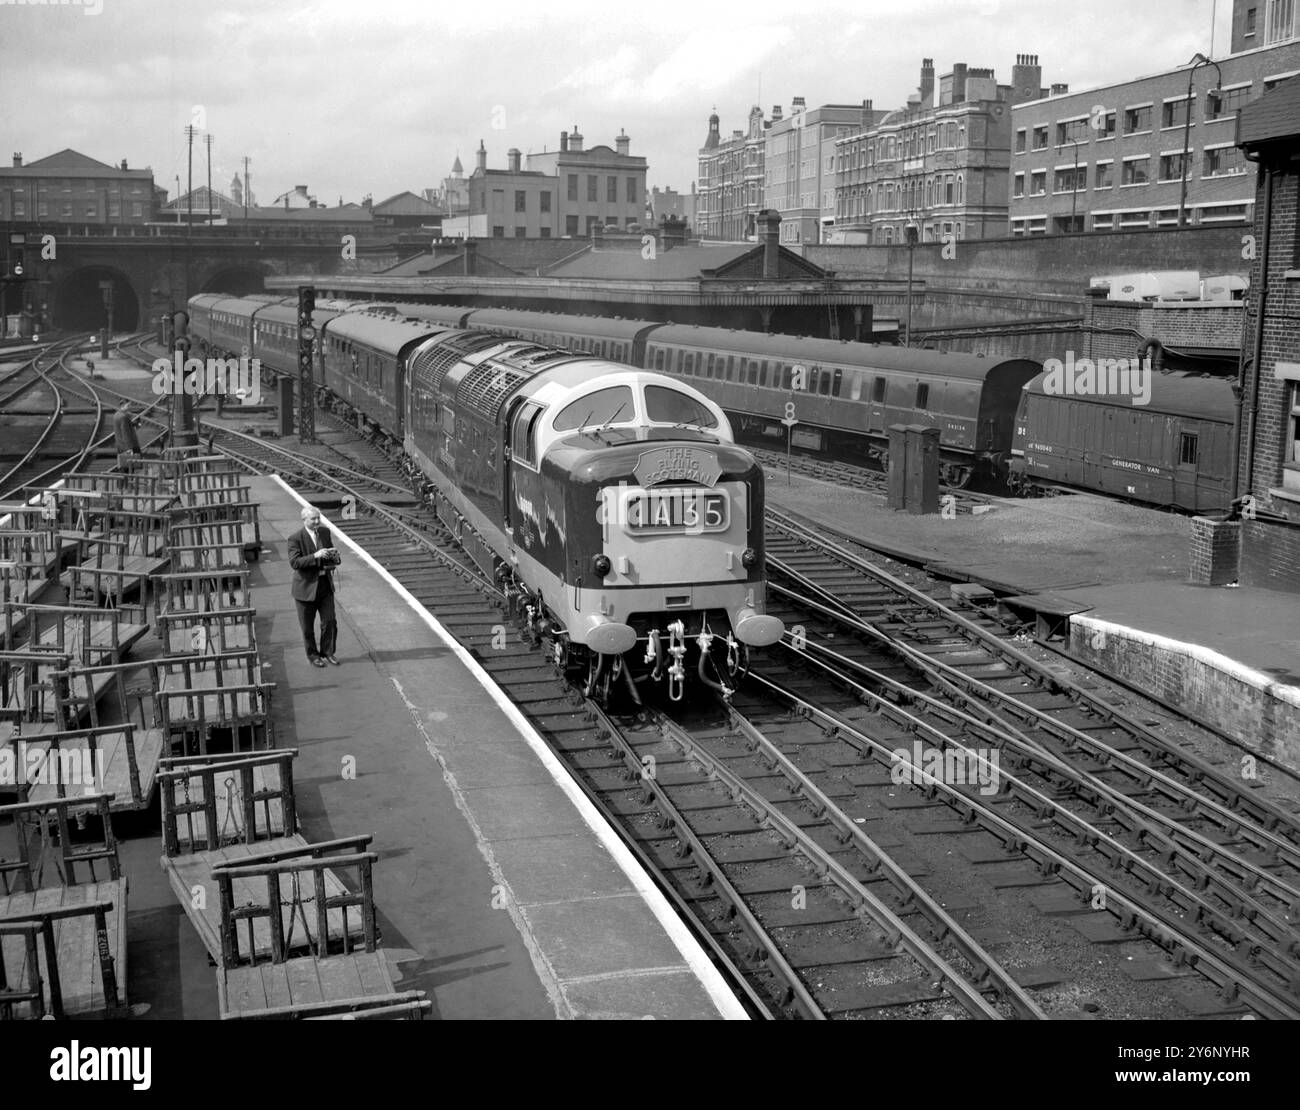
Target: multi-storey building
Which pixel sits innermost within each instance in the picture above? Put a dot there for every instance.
(554, 194)
(729, 193)
(668, 203)
(938, 165)
(1137, 153)
(69, 187)
(593, 188)
(799, 171)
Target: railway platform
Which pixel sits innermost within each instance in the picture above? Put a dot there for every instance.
(1110, 580)
(509, 898)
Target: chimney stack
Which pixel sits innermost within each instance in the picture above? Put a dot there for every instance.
(769, 222)
(124, 164)
(1059, 89)
(797, 105)
(512, 159)
(564, 142)
(1026, 79)
(927, 81)
(575, 140)
(481, 155)
(621, 143)
(776, 112)
(18, 160)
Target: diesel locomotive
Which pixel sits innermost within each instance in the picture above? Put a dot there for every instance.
(611, 502)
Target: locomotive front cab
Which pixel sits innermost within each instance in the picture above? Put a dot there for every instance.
(648, 518)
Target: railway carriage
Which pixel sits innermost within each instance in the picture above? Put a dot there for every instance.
(1176, 450)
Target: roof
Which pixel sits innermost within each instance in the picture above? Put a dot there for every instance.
(795, 348)
(1177, 393)
(421, 264)
(348, 214)
(629, 265)
(405, 204)
(72, 163)
(383, 332)
(1274, 117)
(510, 319)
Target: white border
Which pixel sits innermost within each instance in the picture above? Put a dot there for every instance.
(709, 977)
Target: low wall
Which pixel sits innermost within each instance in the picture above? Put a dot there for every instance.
(1246, 704)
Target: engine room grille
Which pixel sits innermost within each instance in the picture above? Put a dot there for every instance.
(485, 387)
(432, 365)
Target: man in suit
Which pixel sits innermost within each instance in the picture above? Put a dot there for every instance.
(313, 559)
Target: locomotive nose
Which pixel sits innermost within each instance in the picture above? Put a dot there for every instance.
(757, 629)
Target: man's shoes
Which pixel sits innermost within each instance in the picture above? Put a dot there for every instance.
(331, 659)
(317, 661)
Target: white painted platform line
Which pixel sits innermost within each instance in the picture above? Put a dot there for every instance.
(692, 954)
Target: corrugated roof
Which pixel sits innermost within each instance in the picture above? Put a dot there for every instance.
(680, 263)
(1273, 117)
(405, 204)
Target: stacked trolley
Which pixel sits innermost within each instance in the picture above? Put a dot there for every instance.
(89, 728)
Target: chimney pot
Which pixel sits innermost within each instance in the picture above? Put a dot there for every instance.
(512, 156)
(564, 142)
(18, 160)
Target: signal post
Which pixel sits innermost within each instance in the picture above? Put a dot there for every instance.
(306, 375)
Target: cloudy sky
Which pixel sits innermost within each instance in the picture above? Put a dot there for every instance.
(352, 98)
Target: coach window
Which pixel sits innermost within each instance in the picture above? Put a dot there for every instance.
(787, 376)
(839, 381)
(814, 378)
(923, 395)
(764, 374)
(659, 359)
(753, 371)
(708, 367)
(878, 391)
(1187, 449)
(731, 369)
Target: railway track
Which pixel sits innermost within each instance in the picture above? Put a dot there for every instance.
(1151, 815)
(808, 915)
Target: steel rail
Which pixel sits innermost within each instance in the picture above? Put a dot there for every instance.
(1166, 930)
(899, 933)
(1263, 814)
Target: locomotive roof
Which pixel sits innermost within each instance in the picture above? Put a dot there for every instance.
(382, 331)
(1174, 392)
(868, 356)
(598, 326)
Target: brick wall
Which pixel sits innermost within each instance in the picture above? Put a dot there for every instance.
(1245, 704)
(1175, 325)
(1214, 551)
(1270, 555)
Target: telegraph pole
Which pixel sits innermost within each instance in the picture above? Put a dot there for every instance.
(245, 191)
(189, 204)
(184, 432)
(207, 141)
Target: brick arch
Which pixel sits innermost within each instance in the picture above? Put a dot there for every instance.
(75, 301)
(237, 279)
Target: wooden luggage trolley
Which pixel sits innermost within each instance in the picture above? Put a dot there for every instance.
(62, 938)
(289, 937)
(201, 695)
(216, 602)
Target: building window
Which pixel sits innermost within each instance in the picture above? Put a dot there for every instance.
(67, 209)
(1038, 183)
(545, 201)
(1291, 460)
(1250, 23)
(1037, 226)
(573, 186)
(1017, 227)
(631, 190)
(20, 209)
(1279, 21)
(592, 222)
(520, 232)
(1135, 219)
(1018, 185)
(1171, 167)
(1040, 137)
(1224, 213)
(1224, 160)
(570, 225)
(1103, 223)
(92, 211)
(498, 232)
(42, 209)
(1137, 119)
(1071, 130)
(1175, 113)
(1107, 128)
(1104, 175)
(611, 190)
(1070, 180)
(591, 187)
(1067, 224)
(1221, 105)
(546, 233)
(1136, 171)
(521, 201)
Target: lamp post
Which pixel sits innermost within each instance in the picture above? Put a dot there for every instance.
(910, 232)
(1198, 60)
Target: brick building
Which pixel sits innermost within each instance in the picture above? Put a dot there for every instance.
(1112, 158)
(69, 187)
(940, 163)
(799, 164)
(730, 186)
(594, 187)
(1268, 131)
